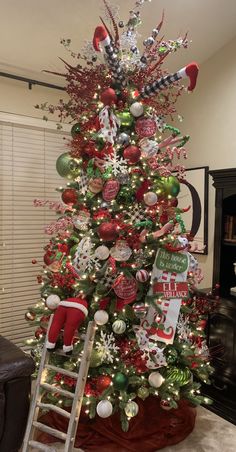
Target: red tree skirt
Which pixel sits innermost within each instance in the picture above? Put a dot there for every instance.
(151, 430)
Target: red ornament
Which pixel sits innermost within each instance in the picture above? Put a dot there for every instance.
(108, 97)
(103, 382)
(132, 154)
(125, 288)
(63, 248)
(165, 405)
(40, 332)
(107, 231)
(49, 257)
(34, 261)
(69, 196)
(145, 127)
(110, 190)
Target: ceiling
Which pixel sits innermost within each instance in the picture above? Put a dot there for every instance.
(30, 30)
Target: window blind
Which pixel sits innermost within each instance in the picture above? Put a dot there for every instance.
(27, 171)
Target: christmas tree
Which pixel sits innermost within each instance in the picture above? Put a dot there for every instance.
(119, 252)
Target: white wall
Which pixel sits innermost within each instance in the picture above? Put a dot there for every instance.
(210, 119)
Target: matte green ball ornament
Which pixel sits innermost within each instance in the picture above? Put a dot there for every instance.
(126, 119)
(181, 376)
(96, 358)
(75, 130)
(131, 409)
(67, 166)
(171, 186)
(143, 392)
(120, 381)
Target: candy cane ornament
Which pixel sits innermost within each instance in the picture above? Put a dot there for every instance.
(190, 71)
(102, 37)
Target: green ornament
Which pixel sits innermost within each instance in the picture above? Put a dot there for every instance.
(96, 358)
(181, 376)
(75, 130)
(171, 186)
(120, 381)
(143, 392)
(67, 167)
(131, 409)
(126, 119)
(68, 365)
(171, 356)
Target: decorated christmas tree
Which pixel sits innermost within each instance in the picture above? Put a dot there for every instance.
(119, 252)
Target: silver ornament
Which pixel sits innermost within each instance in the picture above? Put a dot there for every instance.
(136, 109)
(102, 252)
(140, 310)
(123, 138)
(148, 42)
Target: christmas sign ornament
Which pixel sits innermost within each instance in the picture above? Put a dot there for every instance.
(101, 317)
(110, 190)
(145, 127)
(104, 408)
(125, 287)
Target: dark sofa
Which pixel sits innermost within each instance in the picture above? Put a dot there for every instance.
(15, 385)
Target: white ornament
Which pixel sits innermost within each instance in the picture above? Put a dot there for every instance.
(102, 252)
(155, 379)
(81, 221)
(142, 275)
(150, 198)
(101, 317)
(115, 163)
(136, 109)
(52, 301)
(183, 241)
(121, 252)
(107, 347)
(119, 326)
(131, 409)
(104, 408)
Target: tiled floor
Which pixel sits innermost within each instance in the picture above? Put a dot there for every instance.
(211, 434)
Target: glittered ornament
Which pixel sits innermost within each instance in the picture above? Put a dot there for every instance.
(102, 252)
(142, 275)
(52, 301)
(126, 119)
(140, 309)
(132, 154)
(145, 127)
(75, 130)
(155, 379)
(110, 190)
(171, 186)
(95, 185)
(119, 326)
(104, 408)
(125, 287)
(69, 196)
(96, 358)
(103, 382)
(181, 376)
(148, 42)
(30, 316)
(150, 198)
(136, 109)
(101, 317)
(109, 97)
(67, 167)
(81, 220)
(165, 405)
(107, 231)
(123, 139)
(131, 409)
(143, 392)
(120, 381)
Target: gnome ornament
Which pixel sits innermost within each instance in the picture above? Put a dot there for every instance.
(69, 315)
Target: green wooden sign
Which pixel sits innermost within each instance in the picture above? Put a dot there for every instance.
(171, 262)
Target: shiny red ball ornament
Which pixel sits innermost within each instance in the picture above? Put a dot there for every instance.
(69, 196)
(107, 231)
(109, 97)
(40, 332)
(103, 382)
(34, 261)
(132, 154)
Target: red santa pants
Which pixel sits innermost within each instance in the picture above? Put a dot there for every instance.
(69, 318)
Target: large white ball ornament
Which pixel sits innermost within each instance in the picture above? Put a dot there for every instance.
(101, 317)
(155, 379)
(136, 109)
(52, 301)
(183, 241)
(131, 409)
(104, 408)
(102, 252)
(119, 326)
(150, 198)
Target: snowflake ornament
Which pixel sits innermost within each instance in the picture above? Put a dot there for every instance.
(117, 164)
(85, 259)
(106, 347)
(183, 328)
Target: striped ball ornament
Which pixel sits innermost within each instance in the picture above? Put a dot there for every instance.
(119, 326)
(142, 275)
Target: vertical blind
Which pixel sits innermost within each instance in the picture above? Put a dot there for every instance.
(27, 171)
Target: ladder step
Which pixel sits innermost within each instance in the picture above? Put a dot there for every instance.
(41, 446)
(57, 409)
(62, 371)
(50, 430)
(51, 388)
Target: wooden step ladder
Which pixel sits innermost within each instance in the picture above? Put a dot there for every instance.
(77, 397)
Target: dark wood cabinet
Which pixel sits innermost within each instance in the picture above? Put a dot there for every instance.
(222, 324)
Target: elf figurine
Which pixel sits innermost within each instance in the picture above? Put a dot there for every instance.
(69, 315)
